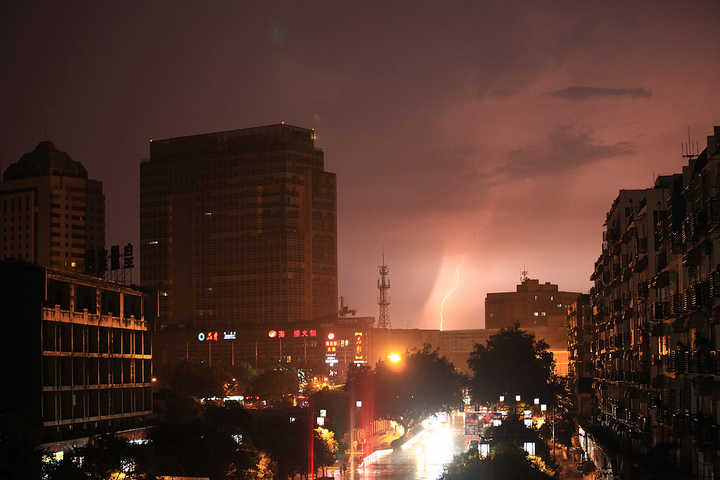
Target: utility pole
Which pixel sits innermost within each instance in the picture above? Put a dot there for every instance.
(553, 431)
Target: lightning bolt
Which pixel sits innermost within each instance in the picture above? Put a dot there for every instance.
(450, 293)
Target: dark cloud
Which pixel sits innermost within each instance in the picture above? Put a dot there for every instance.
(579, 92)
(566, 149)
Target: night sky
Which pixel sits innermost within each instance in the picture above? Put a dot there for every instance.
(467, 137)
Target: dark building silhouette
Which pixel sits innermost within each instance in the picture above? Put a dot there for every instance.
(238, 229)
(52, 214)
(77, 356)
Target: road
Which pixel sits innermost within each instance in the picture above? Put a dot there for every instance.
(423, 458)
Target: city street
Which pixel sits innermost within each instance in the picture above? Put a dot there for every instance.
(423, 457)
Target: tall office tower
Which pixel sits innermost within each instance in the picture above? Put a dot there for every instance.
(52, 214)
(238, 228)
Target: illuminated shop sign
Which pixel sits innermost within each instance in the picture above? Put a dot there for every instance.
(359, 349)
(331, 350)
(295, 333)
(214, 336)
(208, 337)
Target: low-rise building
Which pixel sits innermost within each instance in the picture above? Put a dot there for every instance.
(77, 353)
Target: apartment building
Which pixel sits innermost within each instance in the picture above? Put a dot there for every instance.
(655, 322)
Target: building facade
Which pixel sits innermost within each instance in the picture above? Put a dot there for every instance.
(238, 229)
(656, 318)
(532, 304)
(580, 358)
(323, 349)
(455, 345)
(78, 354)
(541, 309)
(52, 214)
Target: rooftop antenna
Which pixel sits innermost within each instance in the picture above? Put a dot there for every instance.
(690, 149)
(523, 274)
(383, 285)
(346, 311)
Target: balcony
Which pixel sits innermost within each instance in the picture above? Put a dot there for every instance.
(678, 303)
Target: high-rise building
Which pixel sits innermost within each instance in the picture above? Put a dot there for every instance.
(238, 229)
(52, 214)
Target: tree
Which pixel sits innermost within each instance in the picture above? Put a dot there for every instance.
(283, 435)
(512, 362)
(335, 403)
(212, 441)
(424, 383)
(195, 379)
(512, 434)
(507, 457)
(276, 386)
(512, 464)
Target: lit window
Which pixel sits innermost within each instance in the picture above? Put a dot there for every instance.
(543, 314)
(535, 313)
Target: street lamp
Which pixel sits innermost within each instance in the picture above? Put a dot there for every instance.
(394, 357)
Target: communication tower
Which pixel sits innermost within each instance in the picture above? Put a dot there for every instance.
(383, 286)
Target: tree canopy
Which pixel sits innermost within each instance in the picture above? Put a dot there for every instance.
(512, 362)
(512, 464)
(507, 458)
(421, 384)
(276, 386)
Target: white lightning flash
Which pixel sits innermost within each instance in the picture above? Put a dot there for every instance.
(450, 293)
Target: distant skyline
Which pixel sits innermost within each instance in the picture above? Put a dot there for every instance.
(492, 136)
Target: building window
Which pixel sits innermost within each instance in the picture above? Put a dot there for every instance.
(535, 313)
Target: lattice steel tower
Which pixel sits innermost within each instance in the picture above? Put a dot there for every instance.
(384, 295)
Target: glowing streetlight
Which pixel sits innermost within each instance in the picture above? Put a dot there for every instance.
(502, 398)
(358, 403)
(394, 357)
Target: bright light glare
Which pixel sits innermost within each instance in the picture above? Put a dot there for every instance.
(373, 457)
(433, 450)
(394, 357)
